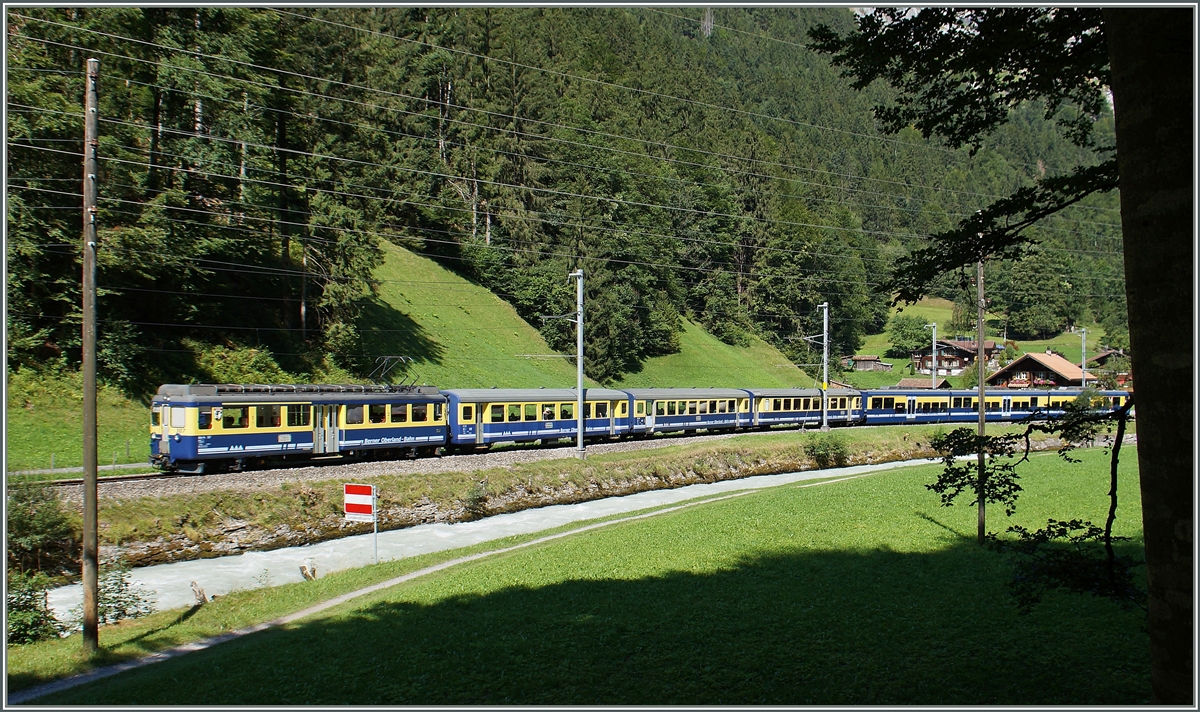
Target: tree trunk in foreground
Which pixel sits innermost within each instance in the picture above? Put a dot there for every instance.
(1150, 51)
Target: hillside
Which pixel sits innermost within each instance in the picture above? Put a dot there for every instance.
(460, 335)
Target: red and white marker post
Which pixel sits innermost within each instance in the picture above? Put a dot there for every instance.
(360, 501)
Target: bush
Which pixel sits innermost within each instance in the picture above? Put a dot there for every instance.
(28, 613)
(41, 535)
(827, 450)
(119, 598)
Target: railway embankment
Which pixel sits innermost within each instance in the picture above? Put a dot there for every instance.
(163, 521)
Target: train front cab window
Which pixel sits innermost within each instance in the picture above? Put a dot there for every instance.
(155, 417)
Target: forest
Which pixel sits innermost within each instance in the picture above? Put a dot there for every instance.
(699, 164)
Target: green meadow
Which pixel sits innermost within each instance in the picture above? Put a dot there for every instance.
(862, 591)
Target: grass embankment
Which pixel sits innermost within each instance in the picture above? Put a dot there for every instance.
(309, 505)
(704, 361)
(44, 418)
(855, 592)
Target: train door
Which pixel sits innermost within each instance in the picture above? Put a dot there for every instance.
(612, 418)
(1006, 404)
(164, 443)
(650, 416)
(912, 409)
(479, 423)
(325, 429)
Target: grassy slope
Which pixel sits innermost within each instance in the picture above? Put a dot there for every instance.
(858, 592)
(704, 361)
(458, 333)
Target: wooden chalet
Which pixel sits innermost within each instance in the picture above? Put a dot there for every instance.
(1039, 370)
(954, 356)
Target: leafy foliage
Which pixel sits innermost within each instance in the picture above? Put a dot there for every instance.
(906, 334)
(28, 617)
(41, 534)
(827, 450)
(998, 484)
(118, 597)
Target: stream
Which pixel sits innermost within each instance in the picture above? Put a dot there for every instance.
(168, 586)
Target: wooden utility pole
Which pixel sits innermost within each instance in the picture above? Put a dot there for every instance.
(90, 177)
(981, 360)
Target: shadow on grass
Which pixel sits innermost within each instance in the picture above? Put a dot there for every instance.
(388, 331)
(875, 627)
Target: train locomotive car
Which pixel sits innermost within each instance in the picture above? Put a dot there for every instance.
(672, 410)
(213, 427)
(481, 417)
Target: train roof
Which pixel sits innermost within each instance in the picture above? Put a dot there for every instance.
(504, 395)
(684, 393)
(801, 392)
(250, 393)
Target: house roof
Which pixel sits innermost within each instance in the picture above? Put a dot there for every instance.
(921, 383)
(1052, 362)
(864, 358)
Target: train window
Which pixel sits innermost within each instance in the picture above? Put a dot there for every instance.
(178, 417)
(602, 410)
(354, 414)
(497, 414)
(547, 411)
(1033, 401)
(234, 417)
(268, 416)
(889, 403)
(154, 417)
(703, 408)
(776, 404)
(670, 407)
(566, 411)
(399, 412)
(624, 407)
(420, 412)
(587, 410)
(691, 407)
(641, 407)
(531, 411)
(205, 420)
(721, 406)
(468, 414)
(377, 412)
(956, 402)
(660, 408)
(298, 415)
(437, 412)
(514, 413)
(843, 405)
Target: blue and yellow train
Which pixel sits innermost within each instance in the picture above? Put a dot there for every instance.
(217, 427)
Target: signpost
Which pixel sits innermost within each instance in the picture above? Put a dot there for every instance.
(360, 501)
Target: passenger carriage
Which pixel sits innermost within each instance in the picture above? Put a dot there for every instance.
(664, 410)
(802, 406)
(218, 426)
(479, 417)
(892, 407)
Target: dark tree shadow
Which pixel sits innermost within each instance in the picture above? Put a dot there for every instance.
(877, 627)
(386, 331)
